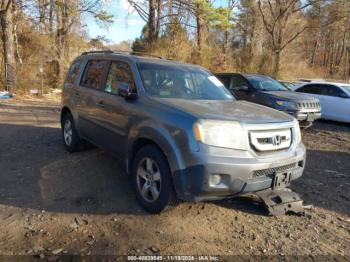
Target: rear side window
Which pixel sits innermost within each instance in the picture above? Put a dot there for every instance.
(119, 74)
(95, 74)
(310, 89)
(73, 72)
(325, 90)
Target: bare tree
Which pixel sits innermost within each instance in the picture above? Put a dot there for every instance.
(6, 21)
(276, 15)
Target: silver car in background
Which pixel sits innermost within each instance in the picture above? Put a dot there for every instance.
(334, 98)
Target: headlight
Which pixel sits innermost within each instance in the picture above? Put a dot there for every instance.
(286, 104)
(297, 132)
(227, 134)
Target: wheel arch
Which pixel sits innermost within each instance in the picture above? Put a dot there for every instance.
(137, 145)
(65, 110)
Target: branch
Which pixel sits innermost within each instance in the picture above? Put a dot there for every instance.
(267, 26)
(294, 37)
(306, 5)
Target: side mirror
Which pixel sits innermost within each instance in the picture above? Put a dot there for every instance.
(244, 89)
(126, 91)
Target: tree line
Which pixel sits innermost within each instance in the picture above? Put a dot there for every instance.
(283, 38)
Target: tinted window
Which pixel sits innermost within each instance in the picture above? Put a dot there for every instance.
(73, 72)
(310, 89)
(265, 83)
(179, 81)
(347, 88)
(119, 74)
(224, 79)
(330, 90)
(320, 89)
(238, 83)
(94, 74)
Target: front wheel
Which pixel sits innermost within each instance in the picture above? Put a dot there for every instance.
(152, 180)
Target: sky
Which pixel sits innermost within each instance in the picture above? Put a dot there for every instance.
(127, 24)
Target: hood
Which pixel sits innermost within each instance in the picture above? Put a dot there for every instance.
(289, 95)
(232, 110)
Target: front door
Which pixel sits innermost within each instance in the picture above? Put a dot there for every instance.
(241, 89)
(114, 111)
(335, 100)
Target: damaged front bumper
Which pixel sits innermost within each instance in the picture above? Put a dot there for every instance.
(281, 201)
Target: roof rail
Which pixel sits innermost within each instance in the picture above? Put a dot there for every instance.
(140, 53)
(98, 52)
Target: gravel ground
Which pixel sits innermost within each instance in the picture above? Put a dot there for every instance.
(54, 203)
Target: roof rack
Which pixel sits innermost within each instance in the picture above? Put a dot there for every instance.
(123, 52)
(98, 52)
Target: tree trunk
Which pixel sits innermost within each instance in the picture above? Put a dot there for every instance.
(200, 26)
(42, 14)
(277, 63)
(17, 12)
(151, 30)
(159, 11)
(6, 21)
(313, 55)
(61, 35)
(51, 16)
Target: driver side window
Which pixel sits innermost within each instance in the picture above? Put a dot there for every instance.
(119, 74)
(237, 83)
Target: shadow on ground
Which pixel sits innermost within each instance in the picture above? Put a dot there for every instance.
(37, 172)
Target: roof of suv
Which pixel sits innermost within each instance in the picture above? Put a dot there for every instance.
(135, 58)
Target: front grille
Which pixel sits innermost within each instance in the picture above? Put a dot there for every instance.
(309, 105)
(267, 141)
(271, 171)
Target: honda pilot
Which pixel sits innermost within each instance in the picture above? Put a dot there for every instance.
(178, 131)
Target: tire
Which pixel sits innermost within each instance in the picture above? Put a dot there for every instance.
(70, 136)
(151, 174)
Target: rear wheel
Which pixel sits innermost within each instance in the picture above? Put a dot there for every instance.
(70, 136)
(152, 180)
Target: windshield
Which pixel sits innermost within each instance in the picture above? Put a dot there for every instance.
(178, 81)
(265, 83)
(347, 88)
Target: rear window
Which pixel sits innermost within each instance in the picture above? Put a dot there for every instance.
(73, 72)
(95, 74)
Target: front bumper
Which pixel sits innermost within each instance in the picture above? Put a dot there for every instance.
(306, 116)
(226, 172)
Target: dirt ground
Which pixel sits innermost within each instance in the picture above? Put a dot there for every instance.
(54, 203)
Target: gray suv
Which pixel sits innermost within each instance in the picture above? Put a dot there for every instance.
(178, 131)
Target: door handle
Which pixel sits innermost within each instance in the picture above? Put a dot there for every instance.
(101, 104)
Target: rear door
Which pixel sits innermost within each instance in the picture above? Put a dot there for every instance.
(89, 92)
